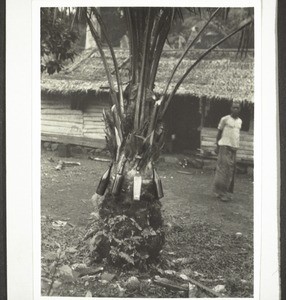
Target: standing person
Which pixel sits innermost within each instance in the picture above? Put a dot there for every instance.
(227, 144)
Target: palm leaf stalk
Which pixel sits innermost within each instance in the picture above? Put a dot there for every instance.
(244, 25)
(140, 101)
(96, 38)
(159, 42)
(146, 67)
(115, 63)
(188, 48)
(132, 53)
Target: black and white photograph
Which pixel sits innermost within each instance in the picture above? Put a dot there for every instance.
(147, 152)
(142, 150)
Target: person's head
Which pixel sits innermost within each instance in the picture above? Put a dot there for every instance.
(235, 109)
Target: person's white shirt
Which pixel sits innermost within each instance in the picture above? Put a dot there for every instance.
(230, 131)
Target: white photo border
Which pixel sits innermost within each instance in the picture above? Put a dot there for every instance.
(23, 127)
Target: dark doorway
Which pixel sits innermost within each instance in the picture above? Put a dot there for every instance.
(183, 121)
(221, 108)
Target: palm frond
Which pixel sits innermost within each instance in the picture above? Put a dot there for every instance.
(159, 44)
(188, 48)
(97, 39)
(139, 108)
(115, 63)
(243, 25)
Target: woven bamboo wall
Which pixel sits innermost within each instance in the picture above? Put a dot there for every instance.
(208, 140)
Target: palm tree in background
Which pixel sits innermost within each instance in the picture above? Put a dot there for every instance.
(130, 228)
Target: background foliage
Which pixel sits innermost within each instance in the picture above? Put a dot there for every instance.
(57, 40)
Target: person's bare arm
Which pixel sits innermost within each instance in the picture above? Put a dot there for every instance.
(219, 133)
(218, 137)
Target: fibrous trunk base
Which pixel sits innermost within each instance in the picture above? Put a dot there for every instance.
(131, 232)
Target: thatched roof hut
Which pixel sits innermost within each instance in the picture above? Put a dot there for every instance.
(81, 92)
(215, 79)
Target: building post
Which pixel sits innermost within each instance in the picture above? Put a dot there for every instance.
(202, 112)
(89, 41)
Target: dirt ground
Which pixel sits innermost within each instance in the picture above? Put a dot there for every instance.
(200, 227)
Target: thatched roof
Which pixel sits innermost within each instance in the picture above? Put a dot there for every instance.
(216, 78)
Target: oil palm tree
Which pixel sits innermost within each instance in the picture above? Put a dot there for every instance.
(130, 229)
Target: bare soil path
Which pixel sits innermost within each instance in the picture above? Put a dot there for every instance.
(67, 194)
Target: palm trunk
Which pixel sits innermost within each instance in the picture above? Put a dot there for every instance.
(130, 229)
(131, 233)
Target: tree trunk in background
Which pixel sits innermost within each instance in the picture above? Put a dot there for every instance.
(89, 40)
